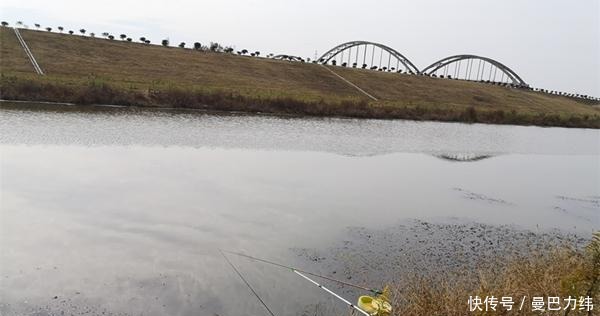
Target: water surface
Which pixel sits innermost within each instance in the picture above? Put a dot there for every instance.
(123, 211)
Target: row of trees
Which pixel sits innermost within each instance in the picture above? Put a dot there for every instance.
(215, 47)
(49, 29)
(378, 68)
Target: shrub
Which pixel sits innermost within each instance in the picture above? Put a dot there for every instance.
(470, 115)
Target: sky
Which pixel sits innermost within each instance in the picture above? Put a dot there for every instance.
(551, 44)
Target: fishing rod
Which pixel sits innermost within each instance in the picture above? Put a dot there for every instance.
(247, 284)
(375, 291)
(332, 293)
(298, 272)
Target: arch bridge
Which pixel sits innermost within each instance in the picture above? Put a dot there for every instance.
(376, 56)
(474, 68)
(363, 54)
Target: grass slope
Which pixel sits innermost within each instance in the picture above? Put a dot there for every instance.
(73, 59)
(92, 70)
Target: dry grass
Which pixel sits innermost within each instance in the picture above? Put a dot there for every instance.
(443, 93)
(562, 273)
(91, 70)
(72, 58)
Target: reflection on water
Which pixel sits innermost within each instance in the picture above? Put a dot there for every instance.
(123, 211)
(462, 157)
(123, 127)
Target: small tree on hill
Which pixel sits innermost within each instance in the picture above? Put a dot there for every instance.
(19, 23)
(147, 41)
(142, 39)
(182, 45)
(105, 34)
(129, 39)
(110, 37)
(61, 29)
(123, 36)
(216, 47)
(37, 26)
(82, 31)
(165, 42)
(49, 29)
(197, 46)
(4, 23)
(244, 51)
(257, 53)
(71, 32)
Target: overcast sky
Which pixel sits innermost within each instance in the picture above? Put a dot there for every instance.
(550, 43)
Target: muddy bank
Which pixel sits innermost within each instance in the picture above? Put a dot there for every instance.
(429, 249)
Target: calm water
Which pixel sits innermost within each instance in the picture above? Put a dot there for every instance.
(123, 211)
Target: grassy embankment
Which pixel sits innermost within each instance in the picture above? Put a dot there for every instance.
(563, 273)
(87, 70)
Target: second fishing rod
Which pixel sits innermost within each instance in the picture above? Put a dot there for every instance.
(372, 290)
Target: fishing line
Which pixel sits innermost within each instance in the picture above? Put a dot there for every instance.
(306, 272)
(247, 284)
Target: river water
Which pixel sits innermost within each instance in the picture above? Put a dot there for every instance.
(123, 211)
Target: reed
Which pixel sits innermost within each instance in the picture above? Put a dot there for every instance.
(560, 273)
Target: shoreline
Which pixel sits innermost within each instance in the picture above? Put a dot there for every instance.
(299, 109)
(454, 258)
(13, 104)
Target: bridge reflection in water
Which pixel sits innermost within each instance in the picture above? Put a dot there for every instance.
(464, 157)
